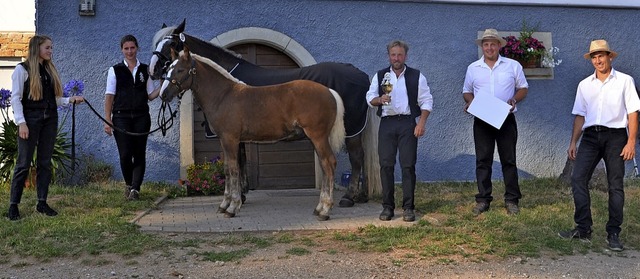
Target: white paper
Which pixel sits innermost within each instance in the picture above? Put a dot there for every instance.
(490, 109)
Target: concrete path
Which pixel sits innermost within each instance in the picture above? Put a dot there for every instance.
(264, 210)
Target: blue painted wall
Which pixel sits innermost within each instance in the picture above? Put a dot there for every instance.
(440, 36)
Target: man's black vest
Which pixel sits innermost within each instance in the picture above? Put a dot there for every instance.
(48, 100)
(411, 78)
(131, 94)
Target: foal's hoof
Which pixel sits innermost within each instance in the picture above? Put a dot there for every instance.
(323, 217)
(346, 202)
(229, 215)
(316, 212)
(222, 210)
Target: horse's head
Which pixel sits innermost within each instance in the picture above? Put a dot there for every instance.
(180, 76)
(165, 40)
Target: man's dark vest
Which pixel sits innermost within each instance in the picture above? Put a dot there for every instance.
(48, 93)
(131, 94)
(411, 78)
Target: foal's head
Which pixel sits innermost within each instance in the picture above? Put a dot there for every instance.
(180, 76)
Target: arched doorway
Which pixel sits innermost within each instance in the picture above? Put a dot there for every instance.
(282, 165)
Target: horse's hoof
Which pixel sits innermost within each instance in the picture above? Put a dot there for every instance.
(323, 217)
(361, 199)
(229, 215)
(243, 198)
(346, 202)
(316, 212)
(221, 210)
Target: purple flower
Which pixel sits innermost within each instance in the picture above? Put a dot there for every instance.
(5, 98)
(73, 88)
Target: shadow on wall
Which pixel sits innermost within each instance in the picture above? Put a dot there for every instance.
(466, 169)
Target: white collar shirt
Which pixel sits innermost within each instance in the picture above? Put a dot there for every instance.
(501, 82)
(399, 104)
(111, 79)
(606, 103)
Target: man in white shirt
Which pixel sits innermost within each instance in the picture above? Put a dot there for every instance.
(504, 79)
(409, 99)
(606, 116)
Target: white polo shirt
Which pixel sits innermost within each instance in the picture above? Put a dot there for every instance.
(606, 103)
(502, 81)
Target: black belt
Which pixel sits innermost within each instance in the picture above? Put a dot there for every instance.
(599, 128)
(398, 116)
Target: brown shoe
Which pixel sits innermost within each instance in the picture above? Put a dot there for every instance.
(408, 215)
(480, 208)
(512, 208)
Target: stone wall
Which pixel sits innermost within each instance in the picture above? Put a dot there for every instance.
(14, 44)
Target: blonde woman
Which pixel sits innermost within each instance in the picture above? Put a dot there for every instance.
(36, 95)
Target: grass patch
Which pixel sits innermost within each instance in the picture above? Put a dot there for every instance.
(449, 229)
(94, 220)
(298, 251)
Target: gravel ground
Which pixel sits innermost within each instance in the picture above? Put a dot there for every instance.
(327, 259)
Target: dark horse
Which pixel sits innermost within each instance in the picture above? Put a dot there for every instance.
(244, 113)
(351, 83)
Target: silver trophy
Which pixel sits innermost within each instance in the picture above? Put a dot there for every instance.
(386, 86)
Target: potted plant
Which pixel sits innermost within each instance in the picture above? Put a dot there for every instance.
(204, 179)
(525, 48)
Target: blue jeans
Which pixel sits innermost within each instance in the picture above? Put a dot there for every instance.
(43, 125)
(486, 137)
(607, 145)
(396, 136)
(132, 149)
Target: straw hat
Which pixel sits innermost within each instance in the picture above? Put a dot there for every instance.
(491, 34)
(599, 45)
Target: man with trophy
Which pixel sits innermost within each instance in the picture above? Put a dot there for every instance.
(401, 94)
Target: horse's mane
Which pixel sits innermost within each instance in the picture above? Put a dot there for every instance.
(212, 45)
(169, 30)
(215, 66)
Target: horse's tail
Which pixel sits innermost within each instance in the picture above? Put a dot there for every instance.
(371, 159)
(336, 137)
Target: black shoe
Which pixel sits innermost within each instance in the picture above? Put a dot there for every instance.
(614, 242)
(14, 213)
(408, 215)
(386, 214)
(134, 195)
(575, 233)
(512, 208)
(44, 208)
(127, 191)
(480, 207)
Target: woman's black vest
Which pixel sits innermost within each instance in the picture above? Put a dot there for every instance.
(131, 94)
(411, 78)
(48, 100)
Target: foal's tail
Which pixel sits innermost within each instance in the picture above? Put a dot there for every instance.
(336, 138)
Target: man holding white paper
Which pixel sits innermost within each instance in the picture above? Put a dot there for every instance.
(494, 79)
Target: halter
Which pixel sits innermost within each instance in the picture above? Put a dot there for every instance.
(192, 72)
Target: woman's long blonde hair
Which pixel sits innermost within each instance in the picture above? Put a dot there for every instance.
(35, 92)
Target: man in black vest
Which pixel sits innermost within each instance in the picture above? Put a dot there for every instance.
(408, 98)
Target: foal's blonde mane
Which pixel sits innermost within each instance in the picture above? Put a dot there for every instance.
(215, 66)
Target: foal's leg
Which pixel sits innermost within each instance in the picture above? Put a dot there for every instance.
(232, 192)
(328, 163)
(356, 192)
